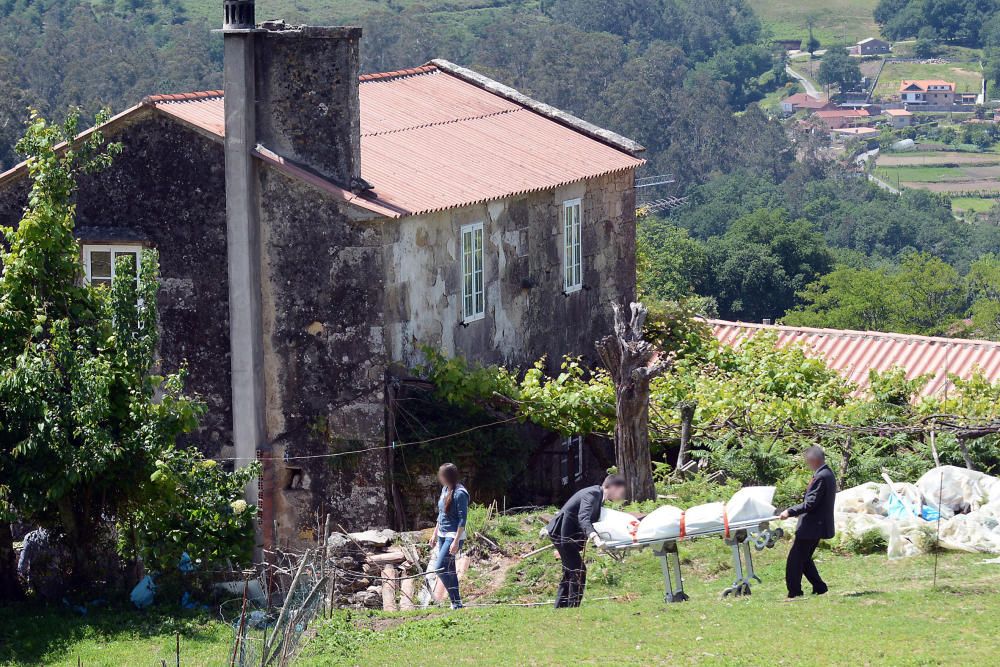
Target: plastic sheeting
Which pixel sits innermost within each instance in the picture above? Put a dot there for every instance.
(969, 503)
(749, 505)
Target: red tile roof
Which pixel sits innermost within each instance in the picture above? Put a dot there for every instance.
(842, 113)
(432, 140)
(804, 101)
(854, 353)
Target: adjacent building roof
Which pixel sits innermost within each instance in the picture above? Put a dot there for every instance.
(854, 353)
(897, 112)
(842, 113)
(857, 131)
(804, 101)
(440, 136)
(872, 40)
(924, 84)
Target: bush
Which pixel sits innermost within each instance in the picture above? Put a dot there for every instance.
(194, 506)
(870, 542)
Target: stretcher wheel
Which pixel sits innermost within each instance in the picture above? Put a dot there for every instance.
(745, 589)
(778, 533)
(677, 597)
(726, 593)
(761, 542)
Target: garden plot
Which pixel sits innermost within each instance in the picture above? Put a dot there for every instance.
(939, 158)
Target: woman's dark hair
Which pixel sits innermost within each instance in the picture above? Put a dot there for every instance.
(450, 473)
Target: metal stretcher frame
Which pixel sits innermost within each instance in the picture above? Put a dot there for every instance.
(740, 537)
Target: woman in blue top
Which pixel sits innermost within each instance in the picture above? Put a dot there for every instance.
(449, 532)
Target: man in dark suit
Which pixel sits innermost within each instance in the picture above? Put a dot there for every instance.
(815, 514)
(569, 530)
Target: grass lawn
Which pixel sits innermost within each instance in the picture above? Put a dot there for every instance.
(972, 204)
(835, 21)
(967, 76)
(877, 612)
(35, 635)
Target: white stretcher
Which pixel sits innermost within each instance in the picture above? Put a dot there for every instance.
(742, 522)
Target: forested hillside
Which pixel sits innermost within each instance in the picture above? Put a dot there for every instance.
(666, 72)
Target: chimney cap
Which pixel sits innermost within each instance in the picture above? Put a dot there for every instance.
(238, 15)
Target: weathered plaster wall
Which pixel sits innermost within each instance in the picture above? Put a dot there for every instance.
(527, 313)
(166, 189)
(324, 356)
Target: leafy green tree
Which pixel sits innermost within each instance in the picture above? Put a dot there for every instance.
(924, 295)
(839, 69)
(80, 425)
(983, 282)
(762, 261)
(672, 265)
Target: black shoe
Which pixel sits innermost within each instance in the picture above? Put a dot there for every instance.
(795, 595)
(820, 591)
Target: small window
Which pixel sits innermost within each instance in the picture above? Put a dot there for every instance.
(572, 246)
(99, 261)
(473, 295)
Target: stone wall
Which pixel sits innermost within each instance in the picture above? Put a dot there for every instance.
(324, 357)
(527, 313)
(166, 190)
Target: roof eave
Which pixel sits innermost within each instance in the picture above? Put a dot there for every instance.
(608, 137)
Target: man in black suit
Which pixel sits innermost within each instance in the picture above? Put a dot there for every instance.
(815, 514)
(569, 530)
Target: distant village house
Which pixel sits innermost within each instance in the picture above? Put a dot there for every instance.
(899, 118)
(802, 101)
(871, 46)
(927, 92)
(834, 119)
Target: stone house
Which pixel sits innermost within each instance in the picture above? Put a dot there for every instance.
(316, 228)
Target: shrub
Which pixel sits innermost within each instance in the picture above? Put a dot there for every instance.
(193, 506)
(870, 542)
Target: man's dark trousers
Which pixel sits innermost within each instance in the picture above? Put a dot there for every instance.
(574, 573)
(800, 562)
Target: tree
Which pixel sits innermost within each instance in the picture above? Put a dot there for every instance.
(632, 364)
(839, 69)
(81, 423)
(923, 295)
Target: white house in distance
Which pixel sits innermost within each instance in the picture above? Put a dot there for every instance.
(899, 117)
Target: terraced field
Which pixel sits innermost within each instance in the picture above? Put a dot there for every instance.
(973, 179)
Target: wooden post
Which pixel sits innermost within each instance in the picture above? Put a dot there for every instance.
(389, 583)
(687, 416)
(407, 597)
(632, 363)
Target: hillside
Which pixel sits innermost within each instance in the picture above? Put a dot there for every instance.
(835, 21)
(343, 11)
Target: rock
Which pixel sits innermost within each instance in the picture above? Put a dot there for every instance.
(375, 538)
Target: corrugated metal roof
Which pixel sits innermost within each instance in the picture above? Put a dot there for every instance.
(432, 141)
(854, 353)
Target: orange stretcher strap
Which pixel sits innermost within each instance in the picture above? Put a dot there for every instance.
(725, 520)
(683, 526)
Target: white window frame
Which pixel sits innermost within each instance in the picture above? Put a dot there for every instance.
(87, 249)
(572, 223)
(472, 258)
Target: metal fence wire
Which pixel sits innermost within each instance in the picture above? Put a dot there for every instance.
(263, 637)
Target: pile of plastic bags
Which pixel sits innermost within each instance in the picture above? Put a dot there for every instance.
(906, 514)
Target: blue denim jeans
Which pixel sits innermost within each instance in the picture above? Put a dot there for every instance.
(445, 562)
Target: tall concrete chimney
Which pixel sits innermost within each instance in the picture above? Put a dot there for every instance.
(246, 336)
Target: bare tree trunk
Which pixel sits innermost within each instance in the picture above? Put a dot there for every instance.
(10, 587)
(632, 363)
(687, 416)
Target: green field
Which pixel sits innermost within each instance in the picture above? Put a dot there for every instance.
(968, 77)
(36, 635)
(835, 21)
(878, 612)
(972, 204)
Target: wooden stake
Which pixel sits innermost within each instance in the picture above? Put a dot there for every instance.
(389, 583)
